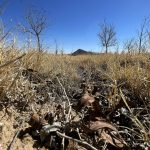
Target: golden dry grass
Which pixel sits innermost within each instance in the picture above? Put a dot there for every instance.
(131, 70)
(134, 68)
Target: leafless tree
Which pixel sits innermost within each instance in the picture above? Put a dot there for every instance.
(36, 24)
(107, 35)
(130, 45)
(56, 47)
(143, 35)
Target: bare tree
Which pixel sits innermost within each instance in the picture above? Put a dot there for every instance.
(143, 35)
(56, 47)
(36, 25)
(130, 45)
(107, 35)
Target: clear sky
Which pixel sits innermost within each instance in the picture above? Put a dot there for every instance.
(75, 23)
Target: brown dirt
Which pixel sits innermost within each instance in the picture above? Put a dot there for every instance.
(8, 132)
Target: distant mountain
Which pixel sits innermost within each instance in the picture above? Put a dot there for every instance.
(81, 52)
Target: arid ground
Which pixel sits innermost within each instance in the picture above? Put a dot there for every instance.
(74, 102)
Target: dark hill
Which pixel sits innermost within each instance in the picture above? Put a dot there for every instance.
(80, 52)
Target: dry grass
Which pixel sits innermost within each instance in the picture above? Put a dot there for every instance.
(124, 72)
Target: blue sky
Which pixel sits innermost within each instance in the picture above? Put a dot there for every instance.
(75, 23)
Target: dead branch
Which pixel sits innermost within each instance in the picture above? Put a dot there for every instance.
(83, 143)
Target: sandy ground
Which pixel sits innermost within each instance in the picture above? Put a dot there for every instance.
(7, 133)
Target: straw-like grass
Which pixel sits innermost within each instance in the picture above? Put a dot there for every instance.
(128, 76)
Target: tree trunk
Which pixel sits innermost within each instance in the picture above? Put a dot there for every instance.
(38, 43)
(106, 50)
(140, 44)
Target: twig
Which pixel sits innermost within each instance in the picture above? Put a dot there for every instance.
(69, 112)
(11, 61)
(83, 143)
(136, 120)
(63, 144)
(10, 147)
(63, 139)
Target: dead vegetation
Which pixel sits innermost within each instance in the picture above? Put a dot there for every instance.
(74, 102)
